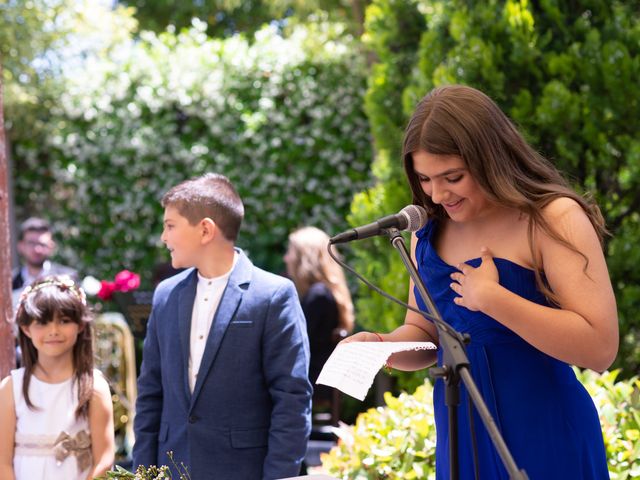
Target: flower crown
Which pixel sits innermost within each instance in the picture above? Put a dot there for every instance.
(63, 282)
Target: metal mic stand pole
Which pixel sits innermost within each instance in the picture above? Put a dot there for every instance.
(455, 366)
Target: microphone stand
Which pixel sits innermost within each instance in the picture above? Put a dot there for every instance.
(455, 366)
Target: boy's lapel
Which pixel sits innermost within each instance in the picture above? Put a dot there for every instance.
(186, 297)
(224, 314)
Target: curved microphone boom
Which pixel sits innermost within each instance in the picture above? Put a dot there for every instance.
(411, 218)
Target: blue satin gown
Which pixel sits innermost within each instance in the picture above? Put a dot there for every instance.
(547, 418)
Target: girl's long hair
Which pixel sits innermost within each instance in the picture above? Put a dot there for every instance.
(312, 264)
(460, 120)
(46, 298)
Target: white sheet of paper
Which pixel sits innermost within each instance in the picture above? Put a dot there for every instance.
(352, 366)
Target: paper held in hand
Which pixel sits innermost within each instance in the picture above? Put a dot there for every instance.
(352, 366)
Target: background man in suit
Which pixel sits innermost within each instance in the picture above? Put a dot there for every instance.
(223, 382)
(36, 246)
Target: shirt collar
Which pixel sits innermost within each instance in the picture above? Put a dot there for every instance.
(204, 282)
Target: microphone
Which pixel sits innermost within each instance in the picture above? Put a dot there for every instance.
(411, 218)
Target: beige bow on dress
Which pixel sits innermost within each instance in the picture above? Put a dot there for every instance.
(80, 446)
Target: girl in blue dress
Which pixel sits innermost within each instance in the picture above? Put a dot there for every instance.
(512, 256)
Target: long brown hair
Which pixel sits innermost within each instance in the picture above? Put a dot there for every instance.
(460, 120)
(311, 264)
(41, 302)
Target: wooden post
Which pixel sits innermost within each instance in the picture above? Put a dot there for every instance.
(7, 345)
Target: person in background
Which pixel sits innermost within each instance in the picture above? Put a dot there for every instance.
(512, 256)
(325, 298)
(35, 247)
(223, 382)
(56, 415)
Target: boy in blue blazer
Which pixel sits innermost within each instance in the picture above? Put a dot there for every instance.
(223, 382)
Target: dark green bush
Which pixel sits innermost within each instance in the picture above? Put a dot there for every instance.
(288, 129)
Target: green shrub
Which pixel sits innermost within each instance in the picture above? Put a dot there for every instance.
(398, 441)
(392, 442)
(618, 404)
(393, 29)
(288, 130)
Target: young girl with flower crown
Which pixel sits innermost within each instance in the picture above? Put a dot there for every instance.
(56, 416)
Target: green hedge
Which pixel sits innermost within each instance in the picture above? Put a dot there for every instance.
(392, 442)
(566, 72)
(393, 29)
(398, 441)
(288, 129)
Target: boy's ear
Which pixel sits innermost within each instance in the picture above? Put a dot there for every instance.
(209, 229)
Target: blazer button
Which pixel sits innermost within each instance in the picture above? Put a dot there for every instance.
(193, 418)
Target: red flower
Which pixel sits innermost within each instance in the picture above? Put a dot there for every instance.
(125, 281)
(106, 290)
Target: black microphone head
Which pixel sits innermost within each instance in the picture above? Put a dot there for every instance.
(416, 217)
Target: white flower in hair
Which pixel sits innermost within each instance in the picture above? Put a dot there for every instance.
(63, 282)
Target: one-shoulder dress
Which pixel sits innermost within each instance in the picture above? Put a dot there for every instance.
(548, 420)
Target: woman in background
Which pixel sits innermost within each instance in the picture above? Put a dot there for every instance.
(325, 299)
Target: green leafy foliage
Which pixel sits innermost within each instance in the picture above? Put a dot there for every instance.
(393, 31)
(398, 441)
(228, 17)
(288, 130)
(565, 73)
(385, 34)
(618, 403)
(392, 442)
(38, 40)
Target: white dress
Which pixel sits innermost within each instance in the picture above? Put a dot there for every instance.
(37, 431)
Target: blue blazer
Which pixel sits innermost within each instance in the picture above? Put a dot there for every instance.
(249, 416)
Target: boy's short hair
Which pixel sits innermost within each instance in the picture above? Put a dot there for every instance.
(33, 224)
(211, 195)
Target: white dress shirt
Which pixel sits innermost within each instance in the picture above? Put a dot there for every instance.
(208, 294)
